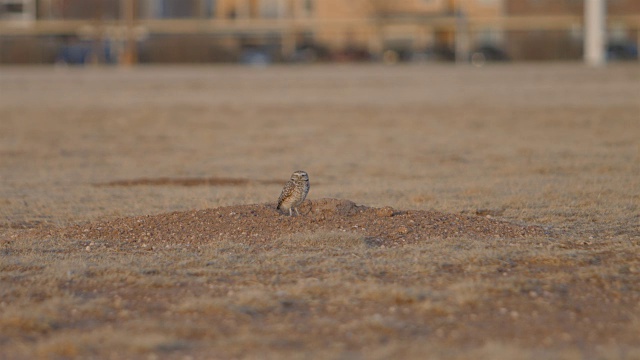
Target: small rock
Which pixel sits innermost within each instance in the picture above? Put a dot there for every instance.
(372, 241)
(386, 211)
(403, 230)
(489, 213)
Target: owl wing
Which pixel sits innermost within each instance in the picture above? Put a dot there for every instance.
(286, 192)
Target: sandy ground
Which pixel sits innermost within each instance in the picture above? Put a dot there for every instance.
(504, 215)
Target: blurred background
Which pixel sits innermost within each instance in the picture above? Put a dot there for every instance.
(294, 31)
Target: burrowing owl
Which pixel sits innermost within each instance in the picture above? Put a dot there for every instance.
(294, 192)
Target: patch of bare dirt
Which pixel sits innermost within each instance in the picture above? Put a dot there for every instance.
(262, 223)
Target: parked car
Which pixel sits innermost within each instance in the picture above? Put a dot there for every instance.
(437, 53)
(74, 54)
(622, 51)
(487, 53)
(256, 56)
(310, 52)
(478, 56)
(72, 51)
(394, 55)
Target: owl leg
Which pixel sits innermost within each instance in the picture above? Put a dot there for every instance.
(290, 212)
(297, 212)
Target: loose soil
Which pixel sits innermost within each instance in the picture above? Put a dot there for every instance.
(262, 224)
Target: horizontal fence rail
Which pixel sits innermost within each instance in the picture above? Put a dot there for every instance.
(195, 26)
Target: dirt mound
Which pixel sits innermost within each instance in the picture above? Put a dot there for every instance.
(262, 223)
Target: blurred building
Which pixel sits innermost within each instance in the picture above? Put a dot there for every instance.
(302, 30)
(561, 43)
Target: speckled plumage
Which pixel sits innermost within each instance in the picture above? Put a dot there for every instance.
(294, 192)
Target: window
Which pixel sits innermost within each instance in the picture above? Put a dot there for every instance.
(269, 9)
(13, 8)
(178, 8)
(17, 9)
(308, 7)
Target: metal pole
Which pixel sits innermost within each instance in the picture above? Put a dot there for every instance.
(595, 26)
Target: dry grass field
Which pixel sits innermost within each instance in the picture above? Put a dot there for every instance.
(454, 212)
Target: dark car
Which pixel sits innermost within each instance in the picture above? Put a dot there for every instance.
(440, 53)
(487, 53)
(257, 55)
(621, 51)
(80, 52)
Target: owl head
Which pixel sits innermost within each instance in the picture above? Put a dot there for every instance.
(300, 176)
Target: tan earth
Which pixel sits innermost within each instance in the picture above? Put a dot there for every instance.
(262, 225)
(454, 212)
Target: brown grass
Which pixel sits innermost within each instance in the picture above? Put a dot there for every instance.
(501, 148)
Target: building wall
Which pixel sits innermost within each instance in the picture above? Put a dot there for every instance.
(79, 9)
(544, 7)
(255, 9)
(623, 7)
(27, 50)
(487, 35)
(562, 44)
(343, 26)
(480, 8)
(353, 25)
(567, 7)
(334, 33)
(411, 6)
(369, 34)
